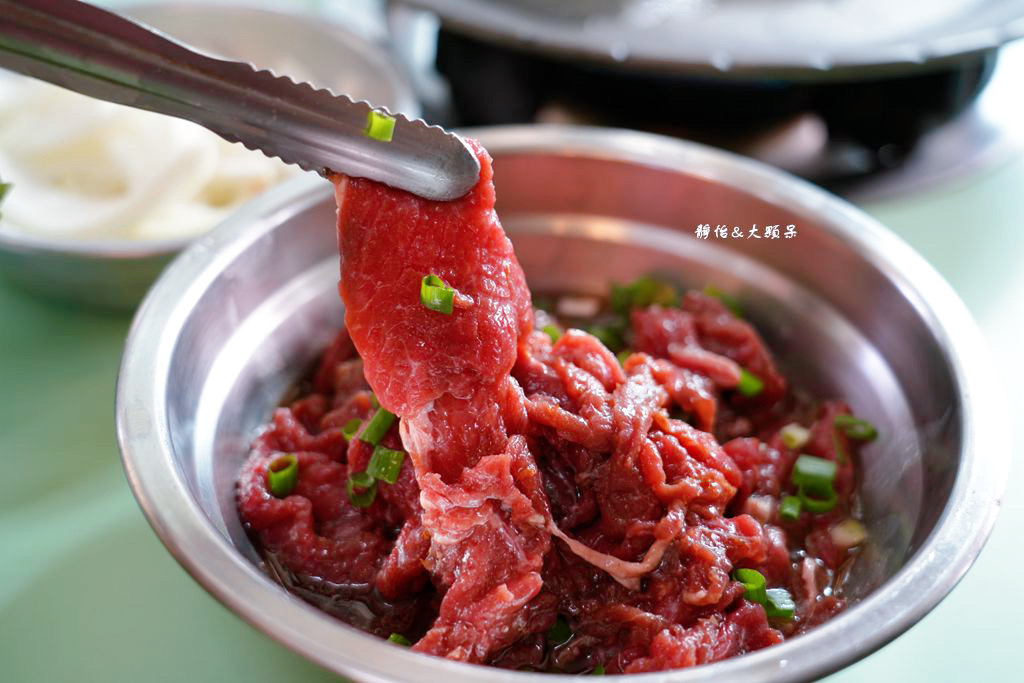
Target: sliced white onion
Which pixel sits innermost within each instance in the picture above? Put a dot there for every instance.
(848, 533)
(760, 507)
(86, 169)
(795, 436)
(578, 306)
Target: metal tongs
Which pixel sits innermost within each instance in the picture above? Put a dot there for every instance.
(98, 53)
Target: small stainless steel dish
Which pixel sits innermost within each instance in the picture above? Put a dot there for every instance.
(849, 309)
(116, 273)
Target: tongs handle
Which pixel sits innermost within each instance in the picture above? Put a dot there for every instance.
(98, 53)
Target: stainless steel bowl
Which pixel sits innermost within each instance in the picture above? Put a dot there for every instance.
(849, 308)
(115, 274)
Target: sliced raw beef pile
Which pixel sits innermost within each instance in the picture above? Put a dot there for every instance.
(561, 507)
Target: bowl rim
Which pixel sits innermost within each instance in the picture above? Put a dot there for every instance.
(926, 578)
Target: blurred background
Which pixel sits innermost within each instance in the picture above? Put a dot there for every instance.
(913, 111)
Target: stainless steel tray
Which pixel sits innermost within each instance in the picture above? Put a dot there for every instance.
(780, 38)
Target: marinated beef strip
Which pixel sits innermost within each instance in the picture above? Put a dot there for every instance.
(463, 417)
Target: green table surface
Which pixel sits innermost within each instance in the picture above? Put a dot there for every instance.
(88, 593)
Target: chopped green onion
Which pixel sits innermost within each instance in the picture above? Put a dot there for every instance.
(436, 295)
(385, 464)
(814, 474)
(282, 475)
(4, 187)
(350, 428)
(641, 293)
(814, 478)
(818, 505)
(750, 384)
(777, 601)
(794, 436)
(598, 670)
(399, 639)
(779, 604)
(560, 632)
(753, 584)
(727, 300)
(379, 126)
(856, 428)
(790, 508)
(837, 446)
(664, 294)
(620, 299)
(608, 336)
(367, 489)
(553, 332)
(378, 426)
(624, 355)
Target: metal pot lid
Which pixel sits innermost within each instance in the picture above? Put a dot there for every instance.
(780, 38)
